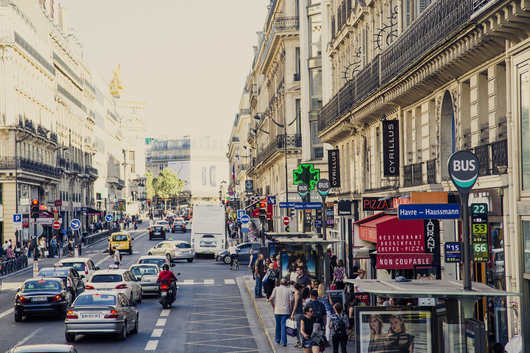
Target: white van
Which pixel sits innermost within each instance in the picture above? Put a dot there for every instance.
(208, 234)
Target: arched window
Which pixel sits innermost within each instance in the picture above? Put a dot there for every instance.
(447, 133)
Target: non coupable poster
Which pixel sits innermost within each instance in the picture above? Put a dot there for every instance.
(394, 329)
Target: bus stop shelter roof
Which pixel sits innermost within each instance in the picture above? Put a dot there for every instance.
(442, 289)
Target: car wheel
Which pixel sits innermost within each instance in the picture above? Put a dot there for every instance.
(123, 334)
(140, 297)
(168, 257)
(18, 317)
(227, 259)
(135, 329)
(130, 251)
(69, 337)
(190, 260)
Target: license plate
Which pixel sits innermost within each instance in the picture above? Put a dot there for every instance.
(39, 299)
(164, 294)
(90, 316)
(146, 280)
(185, 251)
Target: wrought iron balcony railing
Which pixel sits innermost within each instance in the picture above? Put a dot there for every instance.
(431, 171)
(29, 166)
(493, 158)
(278, 144)
(91, 170)
(413, 175)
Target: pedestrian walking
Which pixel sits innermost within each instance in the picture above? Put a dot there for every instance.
(339, 274)
(302, 278)
(53, 246)
(260, 272)
(306, 328)
(42, 244)
(298, 311)
(117, 257)
(282, 303)
(252, 263)
(271, 281)
(70, 247)
(339, 327)
(325, 298)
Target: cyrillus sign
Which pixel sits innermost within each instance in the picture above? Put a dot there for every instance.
(390, 148)
(463, 169)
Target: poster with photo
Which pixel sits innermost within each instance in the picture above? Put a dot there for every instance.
(288, 258)
(394, 329)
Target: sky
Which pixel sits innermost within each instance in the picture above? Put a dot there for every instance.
(188, 60)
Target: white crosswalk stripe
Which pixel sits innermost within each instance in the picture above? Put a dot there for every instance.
(209, 282)
(230, 281)
(188, 281)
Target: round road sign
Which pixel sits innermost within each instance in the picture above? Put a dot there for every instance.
(303, 189)
(56, 225)
(286, 221)
(109, 218)
(463, 169)
(245, 219)
(75, 224)
(323, 186)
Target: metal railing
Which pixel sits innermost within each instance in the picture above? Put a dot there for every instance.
(29, 166)
(412, 175)
(279, 143)
(493, 157)
(291, 23)
(431, 171)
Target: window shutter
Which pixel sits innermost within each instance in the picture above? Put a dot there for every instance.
(364, 46)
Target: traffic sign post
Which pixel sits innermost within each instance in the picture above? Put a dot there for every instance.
(286, 221)
(17, 221)
(453, 253)
(75, 224)
(56, 225)
(463, 169)
(245, 219)
(323, 187)
(429, 211)
(109, 218)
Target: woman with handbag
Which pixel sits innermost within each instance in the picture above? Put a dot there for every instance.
(339, 274)
(271, 280)
(298, 311)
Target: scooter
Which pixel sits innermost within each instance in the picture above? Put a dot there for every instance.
(167, 293)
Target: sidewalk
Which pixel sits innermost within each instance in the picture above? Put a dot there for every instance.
(268, 323)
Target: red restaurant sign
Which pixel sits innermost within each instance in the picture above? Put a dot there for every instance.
(402, 261)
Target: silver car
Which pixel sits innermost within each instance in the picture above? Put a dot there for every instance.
(99, 313)
(56, 348)
(147, 274)
(174, 250)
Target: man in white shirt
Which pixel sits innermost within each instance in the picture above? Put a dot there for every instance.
(361, 276)
(232, 251)
(282, 302)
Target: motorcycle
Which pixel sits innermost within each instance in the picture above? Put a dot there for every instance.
(167, 292)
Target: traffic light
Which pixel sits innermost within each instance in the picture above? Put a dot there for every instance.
(263, 210)
(35, 208)
(148, 201)
(293, 213)
(55, 215)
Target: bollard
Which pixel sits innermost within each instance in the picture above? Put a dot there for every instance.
(76, 252)
(35, 268)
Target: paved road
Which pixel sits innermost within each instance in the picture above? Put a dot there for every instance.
(212, 312)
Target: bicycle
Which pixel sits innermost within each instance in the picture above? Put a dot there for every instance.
(236, 264)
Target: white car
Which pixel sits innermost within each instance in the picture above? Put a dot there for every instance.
(165, 224)
(147, 274)
(83, 265)
(121, 281)
(155, 259)
(174, 250)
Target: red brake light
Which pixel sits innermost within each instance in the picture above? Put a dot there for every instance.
(121, 286)
(113, 315)
(22, 300)
(88, 286)
(70, 315)
(57, 298)
(163, 286)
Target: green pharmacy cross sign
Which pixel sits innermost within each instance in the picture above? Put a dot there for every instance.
(306, 173)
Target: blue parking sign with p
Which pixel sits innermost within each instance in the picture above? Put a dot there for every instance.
(240, 213)
(17, 218)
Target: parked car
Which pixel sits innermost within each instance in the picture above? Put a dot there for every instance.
(99, 313)
(174, 250)
(44, 348)
(70, 277)
(147, 275)
(178, 225)
(157, 231)
(83, 265)
(243, 253)
(122, 241)
(155, 259)
(121, 281)
(42, 296)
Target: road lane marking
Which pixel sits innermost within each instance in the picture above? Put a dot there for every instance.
(229, 281)
(151, 345)
(161, 322)
(11, 286)
(157, 332)
(27, 338)
(165, 312)
(5, 313)
(188, 281)
(209, 281)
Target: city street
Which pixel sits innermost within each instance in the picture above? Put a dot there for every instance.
(212, 310)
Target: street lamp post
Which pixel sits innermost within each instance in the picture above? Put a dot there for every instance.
(284, 125)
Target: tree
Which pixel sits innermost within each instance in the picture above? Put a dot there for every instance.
(167, 184)
(150, 190)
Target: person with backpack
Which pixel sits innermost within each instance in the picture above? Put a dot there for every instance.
(319, 310)
(339, 328)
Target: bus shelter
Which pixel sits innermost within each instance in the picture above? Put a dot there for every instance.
(443, 324)
(309, 247)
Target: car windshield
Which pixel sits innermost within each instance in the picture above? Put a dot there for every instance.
(157, 228)
(34, 286)
(161, 222)
(207, 236)
(119, 237)
(96, 299)
(499, 256)
(106, 278)
(144, 270)
(53, 273)
(79, 266)
(158, 262)
(183, 246)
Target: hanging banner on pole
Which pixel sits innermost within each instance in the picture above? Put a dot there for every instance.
(391, 148)
(334, 168)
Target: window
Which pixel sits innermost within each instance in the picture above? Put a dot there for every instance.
(298, 116)
(161, 166)
(524, 91)
(317, 151)
(526, 233)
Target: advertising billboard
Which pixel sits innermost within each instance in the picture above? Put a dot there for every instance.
(183, 171)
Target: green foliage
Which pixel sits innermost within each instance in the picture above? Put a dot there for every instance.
(150, 190)
(167, 184)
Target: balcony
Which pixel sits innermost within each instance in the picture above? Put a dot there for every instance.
(291, 23)
(280, 143)
(121, 182)
(91, 171)
(493, 158)
(28, 125)
(412, 175)
(30, 166)
(431, 171)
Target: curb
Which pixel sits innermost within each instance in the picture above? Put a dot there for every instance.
(251, 295)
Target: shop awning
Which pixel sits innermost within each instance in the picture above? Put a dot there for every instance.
(94, 212)
(368, 230)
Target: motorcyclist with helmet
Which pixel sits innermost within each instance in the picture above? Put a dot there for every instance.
(168, 275)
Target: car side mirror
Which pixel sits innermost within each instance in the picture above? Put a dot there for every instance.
(18, 290)
(172, 265)
(132, 238)
(97, 268)
(82, 276)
